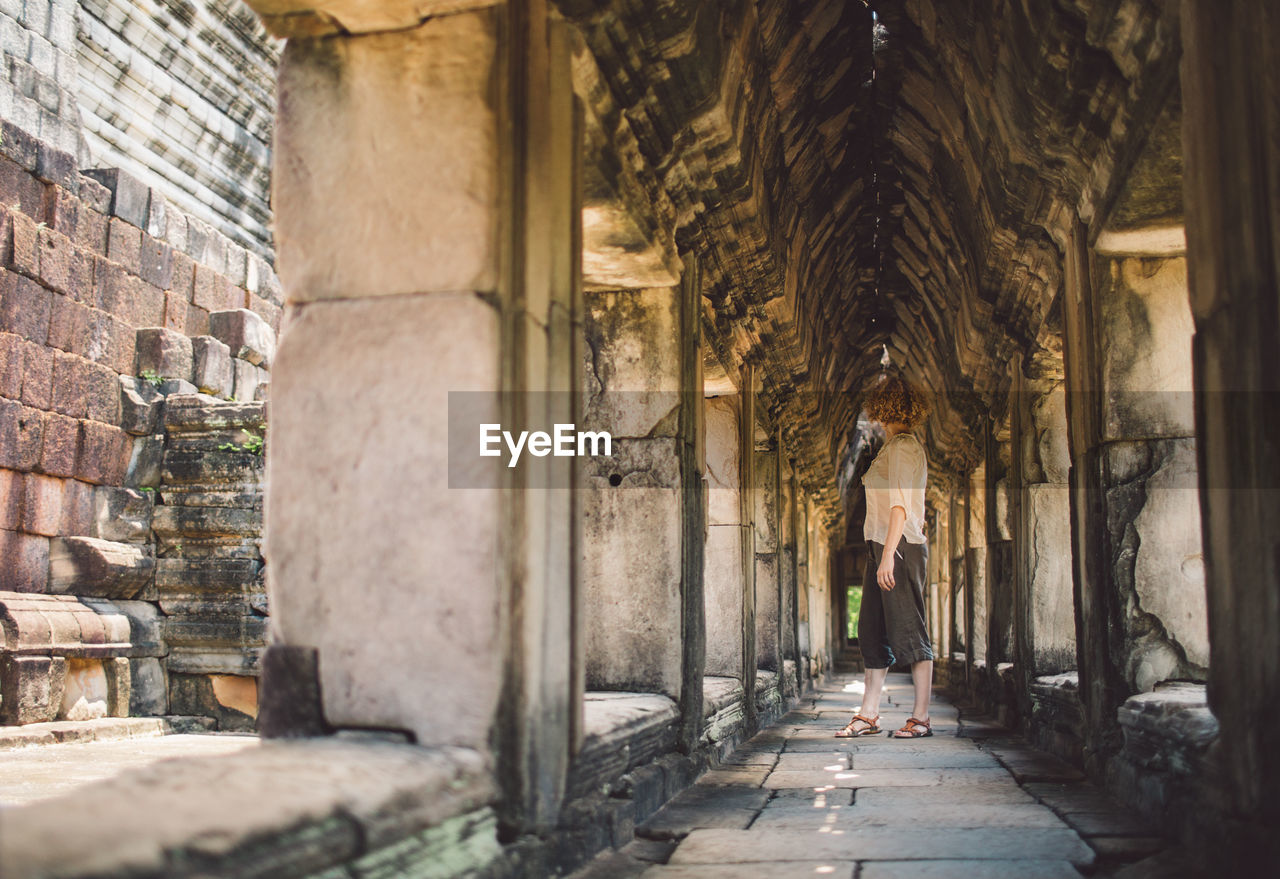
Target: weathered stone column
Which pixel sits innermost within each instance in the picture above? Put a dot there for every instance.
(425, 231)
(804, 617)
(787, 570)
(1044, 629)
(642, 373)
(960, 598)
(818, 569)
(940, 577)
(999, 575)
(976, 564)
(1231, 95)
(1139, 576)
(730, 553)
(724, 562)
(768, 599)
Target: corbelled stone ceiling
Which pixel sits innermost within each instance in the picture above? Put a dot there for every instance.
(856, 177)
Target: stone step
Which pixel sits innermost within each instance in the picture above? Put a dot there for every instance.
(104, 729)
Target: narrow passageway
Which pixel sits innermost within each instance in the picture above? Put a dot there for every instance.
(971, 801)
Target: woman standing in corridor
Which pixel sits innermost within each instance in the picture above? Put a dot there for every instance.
(891, 624)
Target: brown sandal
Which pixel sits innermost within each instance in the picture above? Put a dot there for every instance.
(873, 727)
(912, 730)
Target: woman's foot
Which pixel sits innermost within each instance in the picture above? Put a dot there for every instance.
(914, 728)
(861, 725)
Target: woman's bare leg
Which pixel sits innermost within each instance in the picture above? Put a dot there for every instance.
(874, 684)
(922, 681)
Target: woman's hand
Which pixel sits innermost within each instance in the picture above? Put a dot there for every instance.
(884, 574)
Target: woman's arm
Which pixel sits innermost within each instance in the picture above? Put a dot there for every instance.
(897, 522)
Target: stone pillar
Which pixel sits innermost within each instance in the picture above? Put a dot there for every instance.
(768, 600)
(999, 533)
(976, 563)
(818, 570)
(723, 580)
(636, 367)
(959, 611)
(804, 624)
(1044, 614)
(747, 499)
(787, 573)
(940, 577)
(1230, 87)
(1138, 566)
(730, 552)
(642, 604)
(426, 219)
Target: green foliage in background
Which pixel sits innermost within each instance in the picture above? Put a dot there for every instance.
(855, 602)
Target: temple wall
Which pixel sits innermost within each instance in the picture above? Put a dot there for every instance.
(178, 93)
(109, 306)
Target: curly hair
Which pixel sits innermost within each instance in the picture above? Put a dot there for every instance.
(896, 400)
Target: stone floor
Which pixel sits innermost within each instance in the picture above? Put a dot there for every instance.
(971, 802)
(30, 774)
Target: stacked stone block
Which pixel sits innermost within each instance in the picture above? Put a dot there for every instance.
(103, 284)
(209, 577)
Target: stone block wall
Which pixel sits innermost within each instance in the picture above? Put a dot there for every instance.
(111, 302)
(176, 92)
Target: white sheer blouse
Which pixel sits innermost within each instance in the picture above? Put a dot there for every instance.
(896, 478)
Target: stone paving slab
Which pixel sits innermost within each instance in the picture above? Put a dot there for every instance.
(960, 796)
(752, 776)
(759, 870)
(835, 796)
(855, 778)
(704, 806)
(880, 843)
(808, 761)
(731, 797)
(887, 759)
(675, 822)
(751, 758)
(976, 776)
(796, 814)
(951, 815)
(969, 870)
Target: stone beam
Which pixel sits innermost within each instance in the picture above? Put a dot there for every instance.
(312, 18)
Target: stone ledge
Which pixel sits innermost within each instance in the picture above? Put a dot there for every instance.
(1175, 712)
(621, 731)
(284, 809)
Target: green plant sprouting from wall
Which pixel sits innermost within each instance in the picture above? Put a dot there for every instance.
(254, 444)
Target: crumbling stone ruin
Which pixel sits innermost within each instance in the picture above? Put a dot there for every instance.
(706, 228)
(136, 336)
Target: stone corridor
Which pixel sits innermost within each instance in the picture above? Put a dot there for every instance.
(271, 271)
(973, 801)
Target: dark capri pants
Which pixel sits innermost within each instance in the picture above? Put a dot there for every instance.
(891, 626)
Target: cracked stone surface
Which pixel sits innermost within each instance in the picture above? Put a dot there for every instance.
(951, 805)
